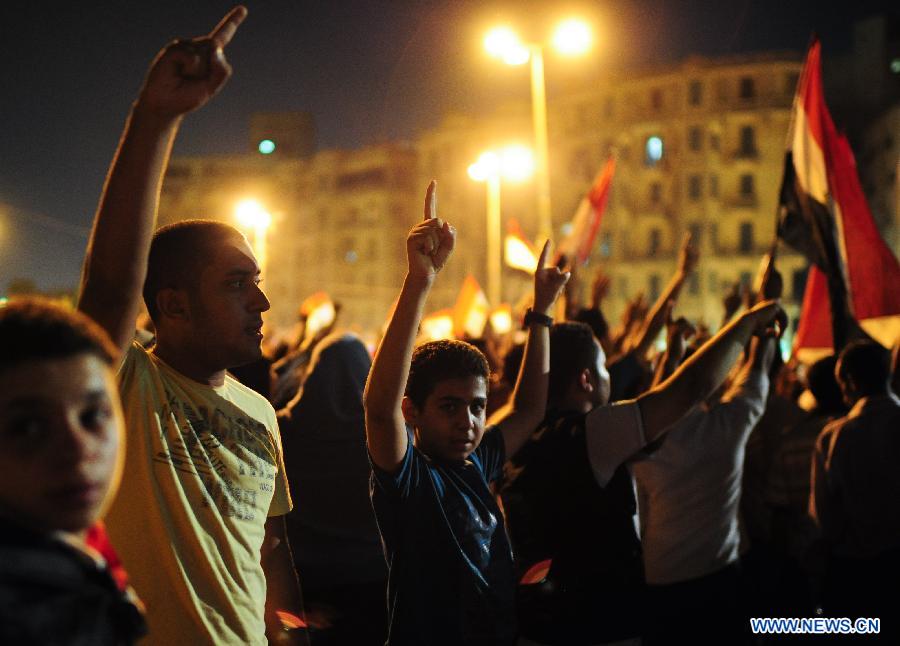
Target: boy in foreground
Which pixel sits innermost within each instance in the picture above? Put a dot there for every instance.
(60, 464)
(451, 575)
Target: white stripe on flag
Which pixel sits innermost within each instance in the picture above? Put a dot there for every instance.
(809, 161)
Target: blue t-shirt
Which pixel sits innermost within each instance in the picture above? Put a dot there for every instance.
(451, 572)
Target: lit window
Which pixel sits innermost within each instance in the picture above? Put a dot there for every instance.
(653, 150)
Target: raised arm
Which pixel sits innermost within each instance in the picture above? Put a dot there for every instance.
(529, 399)
(183, 77)
(678, 333)
(707, 368)
(656, 318)
(428, 247)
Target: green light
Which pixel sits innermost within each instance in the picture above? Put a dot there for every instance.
(267, 146)
(895, 66)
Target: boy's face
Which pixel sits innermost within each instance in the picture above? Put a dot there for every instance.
(451, 423)
(60, 422)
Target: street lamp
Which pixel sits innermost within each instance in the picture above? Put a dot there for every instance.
(253, 215)
(514, 163)
(571, 38)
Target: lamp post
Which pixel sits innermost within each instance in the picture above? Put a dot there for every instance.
(253, 215)
(571, 37)
(515, 163)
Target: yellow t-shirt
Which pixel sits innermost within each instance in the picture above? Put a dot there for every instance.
(203, 471)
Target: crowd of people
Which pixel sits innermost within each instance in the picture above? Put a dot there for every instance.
(578, 488)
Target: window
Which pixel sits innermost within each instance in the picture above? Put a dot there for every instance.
(655, 193)
(714, 141)
(748, 141)
(606, 245)
(695, 93)
(746, 238)
(747, 186)
(694, 284)
(656, 99)
(654, 242)
(695, 139)
(714, 234)
(653, 150)
(696, 230)
(747, 88)
(580, 166)
(654, 287)
(694, 187)
(714, 186)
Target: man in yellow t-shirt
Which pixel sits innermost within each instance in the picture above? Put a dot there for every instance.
(199, 517)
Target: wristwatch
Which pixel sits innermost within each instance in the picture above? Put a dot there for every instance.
(536, 317)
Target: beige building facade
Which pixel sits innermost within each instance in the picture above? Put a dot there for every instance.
(699, 148)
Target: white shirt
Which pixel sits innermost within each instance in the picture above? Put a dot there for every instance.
(689, 488)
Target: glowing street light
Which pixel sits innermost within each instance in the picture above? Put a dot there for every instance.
(513, 163)
(571, 37)
(252, 214)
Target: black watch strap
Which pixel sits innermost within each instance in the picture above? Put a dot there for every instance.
(536, 317)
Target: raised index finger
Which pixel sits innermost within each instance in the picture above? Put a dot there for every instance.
(431, 201)
(224, 31)
(542, 260)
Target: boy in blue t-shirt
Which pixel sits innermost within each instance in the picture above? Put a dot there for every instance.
(451, 576)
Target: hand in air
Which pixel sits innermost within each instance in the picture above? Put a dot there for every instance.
(186, 74)
(430, 243)
(548, 282)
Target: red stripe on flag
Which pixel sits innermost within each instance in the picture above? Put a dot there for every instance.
(811, 95)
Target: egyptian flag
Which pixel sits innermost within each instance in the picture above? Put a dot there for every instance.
(823, 214)
(518, 251)
(586, 222)
(470, 313)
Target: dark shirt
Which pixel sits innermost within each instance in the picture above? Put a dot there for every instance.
(53, 593)
(555, 509)
(451, 576)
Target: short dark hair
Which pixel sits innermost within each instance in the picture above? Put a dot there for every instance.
(34, 328)
(823, 385)
(440, 360)
(572, 349)
(178, 253)
(868, 364)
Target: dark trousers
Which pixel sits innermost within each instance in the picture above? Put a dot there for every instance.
(706, 610)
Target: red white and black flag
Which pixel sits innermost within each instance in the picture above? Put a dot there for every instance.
(577, 246)
(823, 214)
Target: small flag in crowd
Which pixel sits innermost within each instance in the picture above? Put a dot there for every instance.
(519, 252)
(586, 222)
(823, 214)
(470, 314)
(437, 326)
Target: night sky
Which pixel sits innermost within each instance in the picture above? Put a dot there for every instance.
(368, 71)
